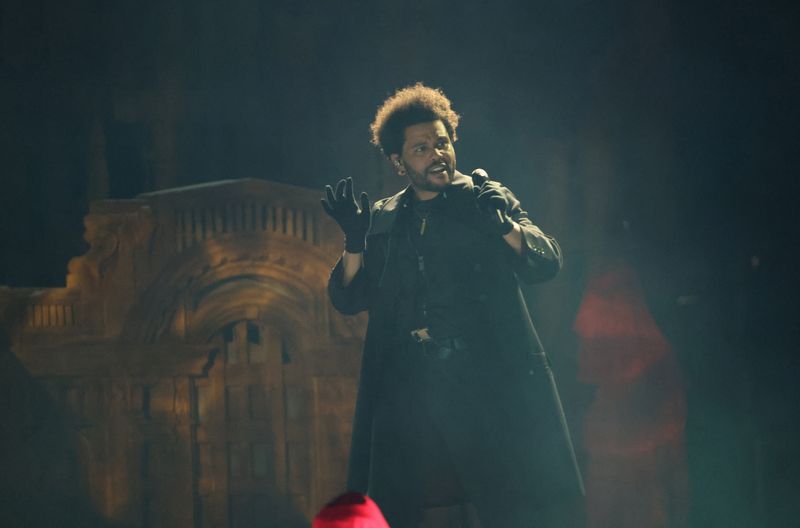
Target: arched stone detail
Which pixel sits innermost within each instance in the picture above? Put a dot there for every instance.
(253, 272)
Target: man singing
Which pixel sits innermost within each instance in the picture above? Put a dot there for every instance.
(456, 400)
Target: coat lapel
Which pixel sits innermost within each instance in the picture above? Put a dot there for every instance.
(385, 214)
(386, 211)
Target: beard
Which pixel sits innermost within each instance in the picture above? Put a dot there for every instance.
(427, 181)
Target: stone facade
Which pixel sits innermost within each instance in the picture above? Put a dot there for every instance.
(196, 358)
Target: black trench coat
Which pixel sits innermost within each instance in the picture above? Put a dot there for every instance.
(491, 272)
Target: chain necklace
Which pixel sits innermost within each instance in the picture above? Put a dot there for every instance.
(423, 217)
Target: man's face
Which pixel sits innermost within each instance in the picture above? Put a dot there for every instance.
(428, 158)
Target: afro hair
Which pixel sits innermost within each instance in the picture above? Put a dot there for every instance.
(410, 106)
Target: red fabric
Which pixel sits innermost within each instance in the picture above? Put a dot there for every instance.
(351, 510)
(619, 337)
(633, 431)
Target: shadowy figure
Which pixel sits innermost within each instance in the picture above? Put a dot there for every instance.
(634, 429)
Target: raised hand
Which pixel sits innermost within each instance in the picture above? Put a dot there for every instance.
(354, 221)
(492, 202)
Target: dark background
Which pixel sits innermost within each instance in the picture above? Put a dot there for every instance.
(677, 120)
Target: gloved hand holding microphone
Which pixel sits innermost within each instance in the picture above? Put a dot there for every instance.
(492, 202)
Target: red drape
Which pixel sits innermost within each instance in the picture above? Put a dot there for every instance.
(633, 430)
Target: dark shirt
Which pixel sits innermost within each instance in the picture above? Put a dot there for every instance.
(433, 250)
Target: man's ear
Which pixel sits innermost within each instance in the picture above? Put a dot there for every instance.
(397, 163)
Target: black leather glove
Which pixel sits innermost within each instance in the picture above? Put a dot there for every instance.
(342, 207)
(492, 202)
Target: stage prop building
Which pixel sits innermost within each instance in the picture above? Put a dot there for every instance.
(201, 373)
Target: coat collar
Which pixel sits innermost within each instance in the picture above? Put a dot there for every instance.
(385, 213)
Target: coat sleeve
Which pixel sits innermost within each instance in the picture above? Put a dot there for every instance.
(354, 297)
(541, 256)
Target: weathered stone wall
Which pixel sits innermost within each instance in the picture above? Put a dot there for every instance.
(194, 357)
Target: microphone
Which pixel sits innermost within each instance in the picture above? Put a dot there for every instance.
(479, 177)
